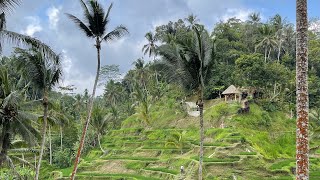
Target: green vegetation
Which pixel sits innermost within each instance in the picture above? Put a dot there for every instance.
(144, 125)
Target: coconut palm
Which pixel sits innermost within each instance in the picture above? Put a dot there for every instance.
(44, 74)
(254, 18)
(302, 139)
(100, 122)
(191, 60)
(14, 120)
(268, 41)
(151, 47)
(113, 92)
(95, 27)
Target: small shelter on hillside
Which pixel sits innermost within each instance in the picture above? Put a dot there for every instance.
(231, 93)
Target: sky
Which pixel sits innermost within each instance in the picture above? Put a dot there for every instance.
(46, 20)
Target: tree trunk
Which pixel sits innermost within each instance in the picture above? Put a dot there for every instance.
(265, 55)
(201, 139)
(44, 130)
(23, 160)
(50, 147)
(100, 143)
(302, 142)
(86, 125)
(279, 50)
(61, 138)
(5, 141)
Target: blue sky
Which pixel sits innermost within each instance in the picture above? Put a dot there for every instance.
(45, 19)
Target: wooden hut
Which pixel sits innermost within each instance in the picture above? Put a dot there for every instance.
(231, 93)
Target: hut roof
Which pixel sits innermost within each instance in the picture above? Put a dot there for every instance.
(231, 90)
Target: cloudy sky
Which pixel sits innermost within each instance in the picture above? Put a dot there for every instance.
(46, 20)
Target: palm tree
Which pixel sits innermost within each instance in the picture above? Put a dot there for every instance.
(302, 141)
(141, 72)
(268, 42)
(279, 25)
(113, 92)
(191, 60)
(14, 119)
(95, 27)
(254, 18)
(151, 47)
(43, 73)
(100, 122)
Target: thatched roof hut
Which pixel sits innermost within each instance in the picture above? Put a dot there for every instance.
(231, 93)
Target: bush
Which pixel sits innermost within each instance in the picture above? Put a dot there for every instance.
(61, 158)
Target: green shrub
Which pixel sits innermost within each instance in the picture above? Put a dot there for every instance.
(62, 158)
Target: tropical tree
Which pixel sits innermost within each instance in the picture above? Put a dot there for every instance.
(268, 41)
(302, 141)
(191, 60)
(151, 47)
(14, 119)
(100, 122)
(44, 74)
(95, 27)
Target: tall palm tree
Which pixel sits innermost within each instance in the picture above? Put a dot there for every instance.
(95, 27)
(44, 74)
(302, 141)
(191, 60)
(268, 41)
(151, 47)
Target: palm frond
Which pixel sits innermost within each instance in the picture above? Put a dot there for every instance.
(23, 161)
(20, 39)
(106, 18)
(117, 33)
(81, 25)
(8, 5)
(2, 21)
(86, 11)
(97, 26)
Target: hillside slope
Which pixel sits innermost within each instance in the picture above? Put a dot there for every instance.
(257, 145)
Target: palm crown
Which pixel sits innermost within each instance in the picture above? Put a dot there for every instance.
(96, 21)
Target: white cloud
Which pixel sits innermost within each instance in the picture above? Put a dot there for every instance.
(53, 14)
(315, 26)
(241, 14)
(33, 27)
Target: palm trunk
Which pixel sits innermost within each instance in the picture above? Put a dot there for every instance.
(265, 55)
(61, 138)
(50, 145)
(200, 104)
(100, 143)
(269, 53)
(35, 160)
(44, 130)
(201, 139)
(302, 142)
(5, 142)
(23, 160)
(86, 125)
(279, 50)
